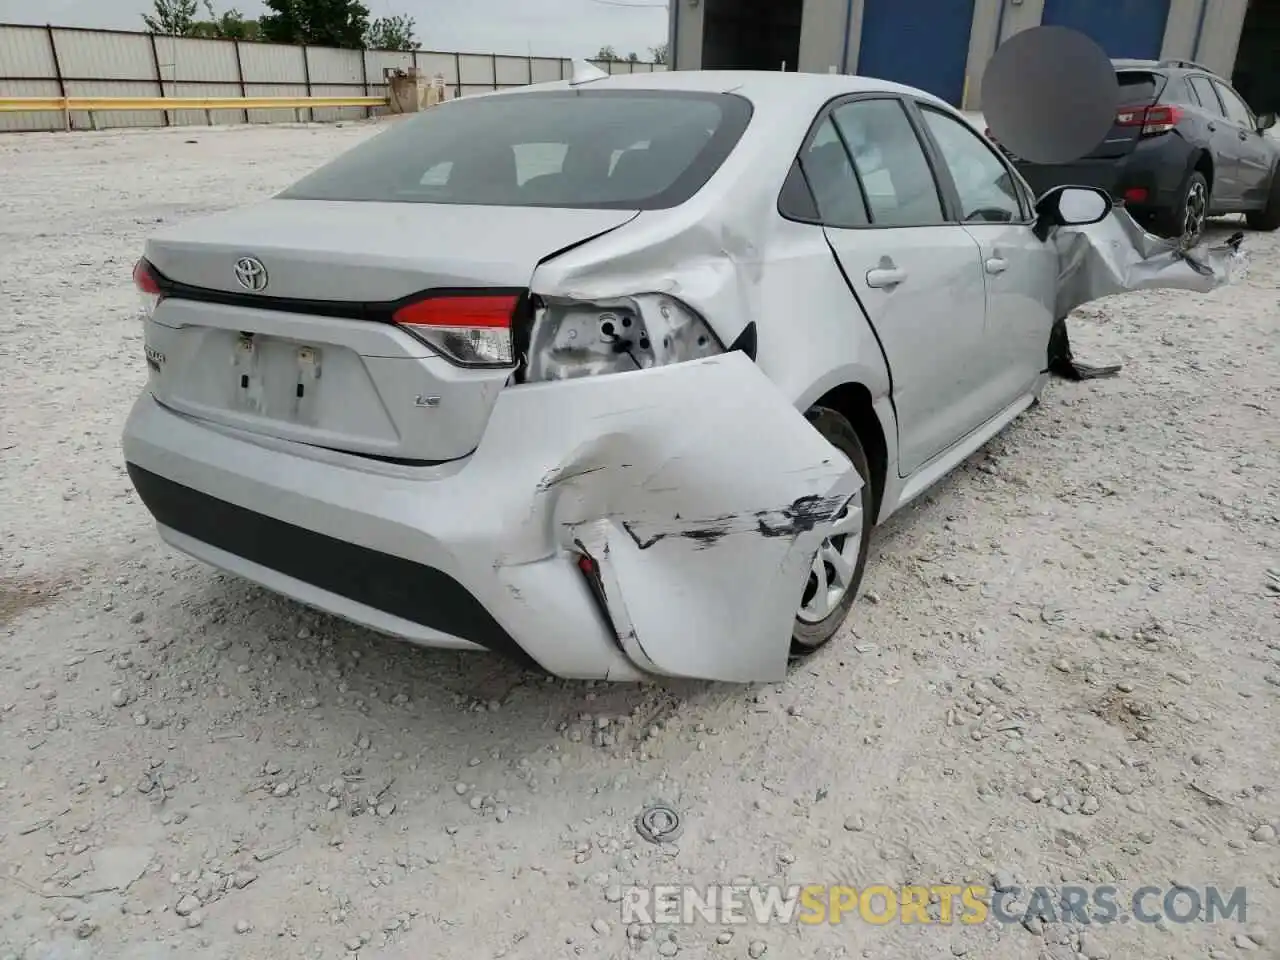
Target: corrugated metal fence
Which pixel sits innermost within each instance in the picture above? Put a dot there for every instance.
(74, 62)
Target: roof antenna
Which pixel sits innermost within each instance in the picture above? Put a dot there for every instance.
(586, 72)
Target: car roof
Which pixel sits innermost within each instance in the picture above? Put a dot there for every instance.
(1167, 66)
(759, 86)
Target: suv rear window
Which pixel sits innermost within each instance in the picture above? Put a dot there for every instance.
(623, 149)
(1140, 87)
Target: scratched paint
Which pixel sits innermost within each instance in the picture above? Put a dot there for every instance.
(801, 516)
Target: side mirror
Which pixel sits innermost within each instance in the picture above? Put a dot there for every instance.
(1071, 207)
(1266, 121)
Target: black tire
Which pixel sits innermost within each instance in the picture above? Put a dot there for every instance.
(1268, 218)
(807, 637)
(1176, 222)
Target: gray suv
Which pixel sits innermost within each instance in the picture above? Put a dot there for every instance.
(1184, 146)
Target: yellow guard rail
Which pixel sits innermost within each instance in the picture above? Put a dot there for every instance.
(91, 105)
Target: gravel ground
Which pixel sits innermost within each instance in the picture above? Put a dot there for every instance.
(1065, 668)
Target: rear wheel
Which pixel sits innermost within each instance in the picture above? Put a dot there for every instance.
(838, 566)
(1185, 221)
(1268, 218)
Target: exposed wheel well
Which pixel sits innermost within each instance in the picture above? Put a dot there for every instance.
(1204, 164)
(853, 402)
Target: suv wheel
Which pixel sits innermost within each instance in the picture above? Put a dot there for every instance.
(1185, 222)
(1268, 218)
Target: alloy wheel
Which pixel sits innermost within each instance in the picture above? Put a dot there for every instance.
(1194, 213)
(833, 568)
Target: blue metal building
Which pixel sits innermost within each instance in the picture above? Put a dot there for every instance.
(943, 45)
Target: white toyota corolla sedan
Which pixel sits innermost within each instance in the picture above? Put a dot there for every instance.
(612, 375)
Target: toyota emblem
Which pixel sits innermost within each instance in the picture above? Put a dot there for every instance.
(251, 274)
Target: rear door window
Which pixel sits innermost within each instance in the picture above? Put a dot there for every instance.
(611, 149)
(1238, 111)
(1204, 93)
(891, 163)
(1178, 92)
(829, 172)
(987, 189)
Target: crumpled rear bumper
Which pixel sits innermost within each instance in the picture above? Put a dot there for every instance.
(699, 491)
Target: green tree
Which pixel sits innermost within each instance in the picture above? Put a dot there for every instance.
(633, 57)
(230, 25)
(322, 23)
(392, 33)
(659, 53)
(176, 18)
(607, 53)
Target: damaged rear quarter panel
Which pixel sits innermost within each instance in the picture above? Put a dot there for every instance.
(709, 252)
(698, 489)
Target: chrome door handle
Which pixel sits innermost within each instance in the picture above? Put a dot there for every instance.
(997, 265)
(885, 277)
(1243, 135)
(1213, 127)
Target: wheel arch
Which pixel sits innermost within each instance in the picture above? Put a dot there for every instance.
(854, 401)
(1202, 162)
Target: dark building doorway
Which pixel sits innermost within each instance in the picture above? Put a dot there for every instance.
(751, 34)
(1257, 71)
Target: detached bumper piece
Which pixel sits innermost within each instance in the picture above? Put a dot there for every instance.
(1063, 364)
(1116, 255)
(393, 585)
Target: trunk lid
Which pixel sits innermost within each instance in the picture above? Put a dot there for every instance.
(345, 252)
(304, 352)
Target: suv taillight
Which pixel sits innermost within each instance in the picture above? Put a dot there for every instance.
(147, 281)
(471, 329)
(1153, 120)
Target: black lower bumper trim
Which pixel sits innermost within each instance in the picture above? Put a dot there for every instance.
(402, 588)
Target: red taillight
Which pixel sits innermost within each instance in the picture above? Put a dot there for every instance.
(473, 330)
(1136, 195)
(1152, 120)
(144, 278)
(147, 281)
(467, 311)
(1161, 120)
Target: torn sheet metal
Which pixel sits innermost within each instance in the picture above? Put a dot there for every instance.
(699, 491)
(715, 598)
(1116, 255)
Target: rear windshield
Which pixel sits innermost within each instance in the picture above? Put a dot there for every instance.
(635, 150)
(1140, 87)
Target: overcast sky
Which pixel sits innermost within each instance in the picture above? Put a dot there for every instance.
(566, 28)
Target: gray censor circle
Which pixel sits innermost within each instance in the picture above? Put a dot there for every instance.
(1049, 95)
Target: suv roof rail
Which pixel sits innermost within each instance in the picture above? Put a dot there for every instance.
(1186, 64)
